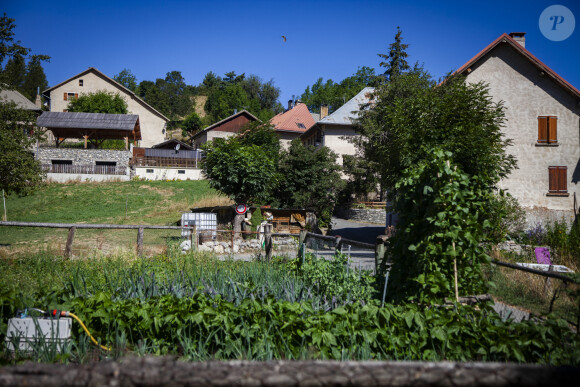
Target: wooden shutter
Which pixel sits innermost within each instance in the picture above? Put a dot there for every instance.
(65, 95)
(76, 95)
(553, 130)
(543, 130)
(558, 177)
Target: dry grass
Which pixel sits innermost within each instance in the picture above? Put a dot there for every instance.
(212, 201)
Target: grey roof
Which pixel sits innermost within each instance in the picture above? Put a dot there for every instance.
(348, 113)
(21, 101)
(173, 142)
(87, 120)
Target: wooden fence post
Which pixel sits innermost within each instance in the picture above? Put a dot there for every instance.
(380, 252)
(140, 242)
(268, 241)
(69, 242)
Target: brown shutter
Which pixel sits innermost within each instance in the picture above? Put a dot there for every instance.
(553, 130)
(542, 130)
(562, 179)
(553, 179)
(76, 95)
(65, 95)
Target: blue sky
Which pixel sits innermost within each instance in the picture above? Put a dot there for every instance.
(328, 39)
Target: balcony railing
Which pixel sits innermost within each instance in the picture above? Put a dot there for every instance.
(84, 169)
(150, 161)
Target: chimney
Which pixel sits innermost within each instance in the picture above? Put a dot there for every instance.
(290, 102)
(519, 37)
(38, 101)
(323, 110)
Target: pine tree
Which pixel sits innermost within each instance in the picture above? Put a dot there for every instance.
(35, 77)
(395, 61)
(14, 72)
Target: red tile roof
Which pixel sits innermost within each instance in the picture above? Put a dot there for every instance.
(505, 38)
(297, 119)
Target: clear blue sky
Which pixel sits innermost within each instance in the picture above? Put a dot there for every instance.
(328, 39)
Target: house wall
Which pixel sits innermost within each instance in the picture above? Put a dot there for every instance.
(83, 177)
(156, 173)
(286, 138)
(333, 139)
(527, 94)
(151, 124)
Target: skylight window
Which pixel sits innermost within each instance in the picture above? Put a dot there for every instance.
(300, 125)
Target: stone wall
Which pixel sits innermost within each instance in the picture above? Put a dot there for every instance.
(375, 216)
(84, 156)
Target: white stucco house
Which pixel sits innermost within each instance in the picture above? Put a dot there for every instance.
(543, 121)
(152, 122)
(334, 130)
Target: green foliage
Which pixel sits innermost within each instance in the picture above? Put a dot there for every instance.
(127, 79)
(310, 178)
(440, 211)
(262, 135)
(505, 216)
(395, 61)
(20, 173)
(334, 277)
(256, 219)
(191, 124)
(411, 117)
(237, 92)
(99, 102)
(17, 74)
(245, 173)
(336, 94)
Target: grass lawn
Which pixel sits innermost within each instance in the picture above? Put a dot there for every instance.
(133, 202)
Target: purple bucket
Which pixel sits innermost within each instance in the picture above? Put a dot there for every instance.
(543, 255)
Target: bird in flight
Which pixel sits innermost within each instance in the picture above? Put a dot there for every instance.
(284, 37)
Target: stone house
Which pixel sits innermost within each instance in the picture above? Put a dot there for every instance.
(225, 128)
(153, 123)
(334, 130)
(543, 121)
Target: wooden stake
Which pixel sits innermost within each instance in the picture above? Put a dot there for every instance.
(69, 242)
(140, 242)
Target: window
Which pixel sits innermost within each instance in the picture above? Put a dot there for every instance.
(70, 96)
(181, 171)
(300, 125)
(61, 162)
(80, 82)
(558, 180)
(547, 130)
(149, 171)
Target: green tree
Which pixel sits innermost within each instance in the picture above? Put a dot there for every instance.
(20, 173)
(262, 135)
(191, 124)
(35, 77)
(127, 79)
(8, 47)
(14, 72)
(246, 173)
(99, 102)
(395, 61)
(309, 178)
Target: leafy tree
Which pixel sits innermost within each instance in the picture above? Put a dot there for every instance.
(99, 102)
(14, 72)
(35, 76)
(9, 48)
(191, 124)
(441, 225)
(127, 79)
(262, 135)
(20, 173)
(395, 61)
(310, 178)
(151, 93)
(244, 172)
